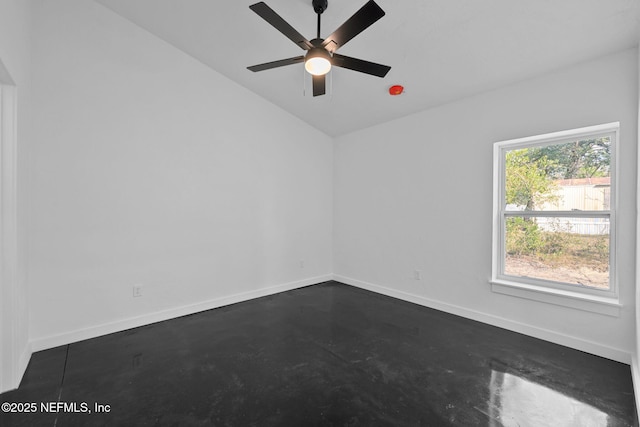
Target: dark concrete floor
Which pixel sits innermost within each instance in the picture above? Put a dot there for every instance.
(325, 355)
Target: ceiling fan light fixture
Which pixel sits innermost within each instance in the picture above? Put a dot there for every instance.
(317, 61)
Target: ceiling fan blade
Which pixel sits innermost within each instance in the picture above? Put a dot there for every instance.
(319, 85)
(275, 64)
(280, 24)
(360, 21)
(360, 65)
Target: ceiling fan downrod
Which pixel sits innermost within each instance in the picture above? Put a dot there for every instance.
(319, 6)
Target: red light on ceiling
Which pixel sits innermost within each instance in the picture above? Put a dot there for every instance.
(396, 90)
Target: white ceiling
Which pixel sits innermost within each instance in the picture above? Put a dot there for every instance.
(440, 50)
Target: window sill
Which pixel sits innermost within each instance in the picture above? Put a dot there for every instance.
(579, 301)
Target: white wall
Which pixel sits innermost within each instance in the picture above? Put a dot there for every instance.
(15, 40)
(150, 168)
(416, 193)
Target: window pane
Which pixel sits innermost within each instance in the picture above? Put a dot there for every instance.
(572, 250)
(562, 177)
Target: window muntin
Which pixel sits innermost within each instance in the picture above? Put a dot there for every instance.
(555, 210)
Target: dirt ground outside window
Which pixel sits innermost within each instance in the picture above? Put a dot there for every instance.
(530, 266)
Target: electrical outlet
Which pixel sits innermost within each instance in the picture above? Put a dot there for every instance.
(137, 291)
(417, 275)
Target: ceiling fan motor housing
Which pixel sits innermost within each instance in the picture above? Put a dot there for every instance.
(320, 6)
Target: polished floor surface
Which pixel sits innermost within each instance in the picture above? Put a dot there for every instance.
(325, 355)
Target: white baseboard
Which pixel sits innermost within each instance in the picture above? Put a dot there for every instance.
(47, 342)
(534, 331)
(635, 377)
(612, 353)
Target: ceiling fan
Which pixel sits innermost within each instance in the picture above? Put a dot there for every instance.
(321, 56)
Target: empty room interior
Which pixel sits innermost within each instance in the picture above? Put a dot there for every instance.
(198, 227)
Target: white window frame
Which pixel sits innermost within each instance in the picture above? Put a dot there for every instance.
(13, 361)
(564, 294)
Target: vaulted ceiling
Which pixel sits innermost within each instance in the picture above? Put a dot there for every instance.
(440, 50)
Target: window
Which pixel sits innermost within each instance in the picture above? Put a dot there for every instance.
(554, 213)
